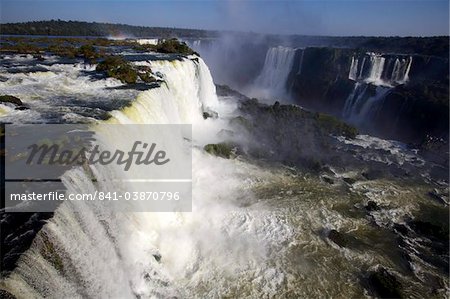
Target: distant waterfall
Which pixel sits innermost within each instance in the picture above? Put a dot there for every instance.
(353, 74)
(300, 64)
(374, 75)
(353, 99)
(277, 67)
(400, 73)
(376, 70)
(384, 70)
(363, 102)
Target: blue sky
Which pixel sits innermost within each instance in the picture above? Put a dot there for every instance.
(332, 17)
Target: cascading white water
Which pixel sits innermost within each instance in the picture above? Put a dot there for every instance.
(353, 99)
(273, 78)
(366, 112)
(376, 70)
(400, 73)
(300, 64)
(89, 251)
(359, 106)
(362, 68)
(353, 74)
(381, 70)
(187, 89)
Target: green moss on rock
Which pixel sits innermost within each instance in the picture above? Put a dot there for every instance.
(50, 253)
(174, 46)
(223, 150)
(117, 67)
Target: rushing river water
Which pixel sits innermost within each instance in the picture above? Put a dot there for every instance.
(257, 228)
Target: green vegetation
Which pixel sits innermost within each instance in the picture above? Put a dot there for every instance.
(51, 254)
(88, 51)
(94, 50)
(75, 28)
(242, 122)
(223, 150)
(145, 74)
(170, 46)
(291, 135)
(435, 46)
(334, 126)
(117, 67)
(64, 47)
(174, 46)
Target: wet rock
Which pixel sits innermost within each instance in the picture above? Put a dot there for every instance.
(157, 257)
(21, 108)
(241, 122)
(225, 91)
(400, 228)
(210, 114)
(223, 150)
(349, 181)
(372, 174)
(438, 196)
(276, 105)
(10, 99)
(371, 206)
(337, 238)
(225, 134)
(384, 284)
(117, 67)
(429, 230)
(39, 57)
(328, 180)
(6, 295)
(346, 240)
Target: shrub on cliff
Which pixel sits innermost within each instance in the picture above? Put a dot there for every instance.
(63, 50)
(331, 124)
(87, 52)
(174, 46)
(117, 67)
(145, 74)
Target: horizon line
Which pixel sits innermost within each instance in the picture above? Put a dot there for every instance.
(228, 31)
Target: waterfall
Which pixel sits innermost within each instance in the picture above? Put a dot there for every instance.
(354, 100)
(188, 89)
(400, 73)
(300, 64)
(376, 70)
(361, 104)
(366, 112)
(277, 67)
(86, 250)
(353, 69)
(381, 70)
